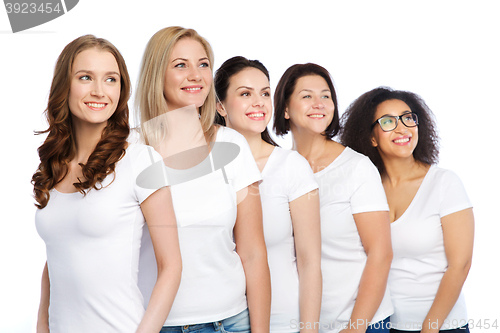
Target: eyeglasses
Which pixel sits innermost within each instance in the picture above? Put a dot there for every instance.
(389, 123)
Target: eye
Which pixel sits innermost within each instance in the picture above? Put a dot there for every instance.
(386, 121)
(180, 65)
(306, 96)
(110, 79)
(245, 94)
(325, 96)
(205, 65)
(85, 78)
(266, 94)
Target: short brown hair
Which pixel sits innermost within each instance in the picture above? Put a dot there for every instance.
(285, 88)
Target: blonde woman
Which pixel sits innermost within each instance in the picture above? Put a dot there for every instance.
(225, 284)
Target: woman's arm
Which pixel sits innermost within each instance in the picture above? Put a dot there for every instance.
(159, 213)
(375, 232)
(251, 247)
(307, 236)
(42, 325)
(458, 234)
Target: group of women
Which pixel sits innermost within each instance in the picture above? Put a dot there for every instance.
(362, 235)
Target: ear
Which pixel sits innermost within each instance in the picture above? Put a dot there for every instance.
(220, 108)
(374, 142)
(287, 116)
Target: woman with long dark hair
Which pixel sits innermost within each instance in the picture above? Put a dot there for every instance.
(290, 202)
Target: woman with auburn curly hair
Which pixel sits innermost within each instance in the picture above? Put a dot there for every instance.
(432, 221)
(91, 212)
(225, 284)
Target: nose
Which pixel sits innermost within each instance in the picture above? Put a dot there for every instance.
(318, 103)
(194, 74)
(401, 128)
(97, 89)
(258, 101)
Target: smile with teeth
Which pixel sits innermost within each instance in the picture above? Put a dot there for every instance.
(403, 140)
(316, 115)
(96, 105)
(255, 115)
(192, 89)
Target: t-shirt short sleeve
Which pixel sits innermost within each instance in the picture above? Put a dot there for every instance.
(148, 171)
(300, 177)
(369, 194)
(453, 196)
(244, 169)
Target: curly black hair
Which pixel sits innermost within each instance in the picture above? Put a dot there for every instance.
(356, 129)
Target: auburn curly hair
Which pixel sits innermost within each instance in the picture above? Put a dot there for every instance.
(59, 147)
(356, 129)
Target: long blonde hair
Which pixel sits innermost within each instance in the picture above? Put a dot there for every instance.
(150, 101)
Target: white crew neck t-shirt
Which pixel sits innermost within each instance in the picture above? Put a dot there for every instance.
(93, 245)
(419, 258)
(213, 282)
(349, 185)
(286, 177)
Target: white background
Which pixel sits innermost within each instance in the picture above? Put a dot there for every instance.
(446, 51)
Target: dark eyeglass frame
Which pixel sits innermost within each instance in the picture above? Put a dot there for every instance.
(397, 121)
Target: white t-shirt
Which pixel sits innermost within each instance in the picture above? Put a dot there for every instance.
(213, 282)
(286, 177)
(349, 185)
(419, 258)
(93, 245)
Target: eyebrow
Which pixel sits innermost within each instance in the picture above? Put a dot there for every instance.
(90, 72)
(390, 115)
(309, 90)
(250, 88)
(184, 59)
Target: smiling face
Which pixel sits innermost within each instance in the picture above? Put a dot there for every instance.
(402, 141)
(248, 105)
(95, 87)
(188, 77)
(310, 107)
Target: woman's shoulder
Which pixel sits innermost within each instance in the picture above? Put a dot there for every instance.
(443, 175)
(226, 134)
(355, 159)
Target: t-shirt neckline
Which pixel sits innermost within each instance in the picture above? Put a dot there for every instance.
(424, 183)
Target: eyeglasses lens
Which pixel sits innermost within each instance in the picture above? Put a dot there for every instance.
(389, 123)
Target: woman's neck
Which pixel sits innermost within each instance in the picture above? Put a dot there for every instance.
(316, 148)
(400, 170)
(87, 136)
(257, 145)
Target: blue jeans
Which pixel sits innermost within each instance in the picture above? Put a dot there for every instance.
(463, 329)
(383, 326)
(239, 323)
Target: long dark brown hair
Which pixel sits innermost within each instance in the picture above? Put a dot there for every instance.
(223, 77)
(59, 147)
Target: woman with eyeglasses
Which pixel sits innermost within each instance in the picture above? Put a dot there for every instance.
(355, 230)
(432, 221)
